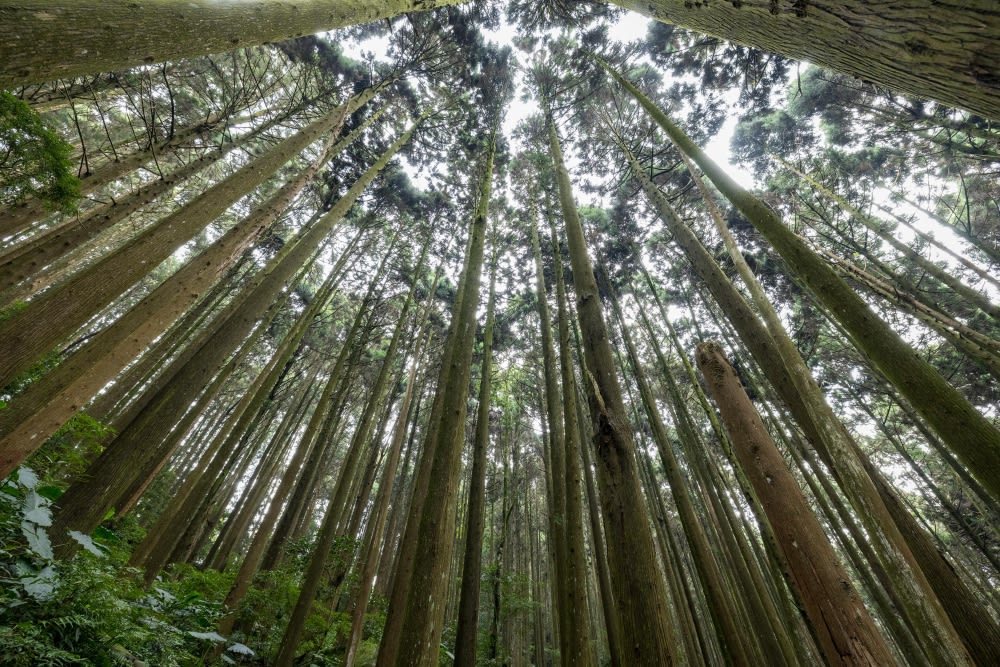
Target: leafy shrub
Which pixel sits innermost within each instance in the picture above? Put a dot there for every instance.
(34, 160)
(90, 611)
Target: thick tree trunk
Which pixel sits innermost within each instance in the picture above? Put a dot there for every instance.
(104, 35)
(639, 589)
(846, 633)
(948, 50)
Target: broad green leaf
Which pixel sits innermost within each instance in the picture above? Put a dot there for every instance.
(49, 491)
(38, 539)
(87, 543)
(36, 509)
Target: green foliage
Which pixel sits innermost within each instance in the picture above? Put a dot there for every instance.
(69, 451)
(89, 610)
(34, 160)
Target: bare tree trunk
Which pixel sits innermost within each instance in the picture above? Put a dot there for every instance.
(846, 633)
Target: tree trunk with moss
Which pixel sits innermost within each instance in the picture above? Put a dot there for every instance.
(417, 602)
(639, 588)
(466, 632)
(948, 50)
(104, 35)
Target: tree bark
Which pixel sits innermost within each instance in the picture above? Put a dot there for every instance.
(104, 35)
(846, 632)
(466, 633)
(947, 50)
(640, 592)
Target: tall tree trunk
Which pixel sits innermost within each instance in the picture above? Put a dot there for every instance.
(48, 403)
(82, 509)
(20, 216)
(640, 593)
(946, 50)
(720, 604)
(115, 35)
(466, 633)
(34, 330)
(966, 431)
(348, 470)
(846, 633)
(416, 612)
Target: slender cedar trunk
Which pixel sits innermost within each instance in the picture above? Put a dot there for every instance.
(121, 466)
(108, 36)
(221, 455)
(416, 611)
(466, 633)
(21, 216)
(640, 593)
(775, 353)
(254, 552)
(984, 274)
(50, 402)
(916, 568)
(399, 504)
(375, 530)
(911, 583)
(117, 405)
(581, 649)
(555, 462)
(33, 259)
(966, 431)
(720, 604)
(965, 340)
(946, 50)
(846, 633)
(989, 250)
(972, 296)
(253, 497)
(55, 315)
(600, 547)
(322, 456)
(348, 469)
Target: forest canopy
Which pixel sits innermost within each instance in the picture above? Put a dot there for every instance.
(525, 333)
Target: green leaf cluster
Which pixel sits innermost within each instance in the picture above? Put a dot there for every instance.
(34, 160)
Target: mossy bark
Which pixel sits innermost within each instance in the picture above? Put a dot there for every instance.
(948, 50)
(466, 632)
(105, 35)
(639, 588)
(417, 603)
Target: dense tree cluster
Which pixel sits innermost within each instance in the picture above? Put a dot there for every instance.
(396, 345)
